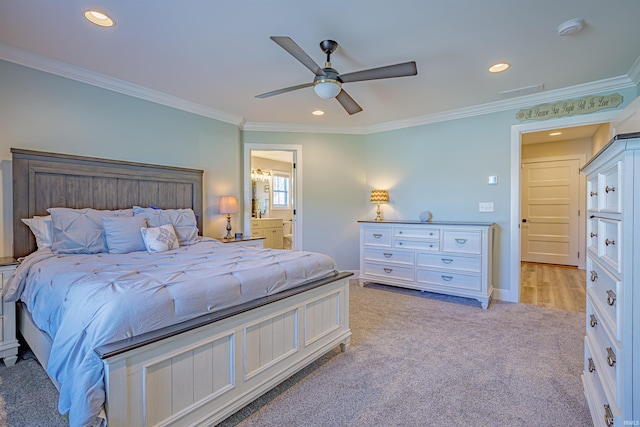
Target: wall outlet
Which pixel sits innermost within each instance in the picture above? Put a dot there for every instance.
(485, 207)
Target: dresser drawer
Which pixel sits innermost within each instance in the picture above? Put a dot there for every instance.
(449, 280)
(592, 235)
(377, 236)
(468, 242)
(594, 392)
(606, 293)
(420, 233)
(592, 193)
(459, 263)
(389, 271)
(605, 354)
(609, 191)
(425, 245)
(610, 243)
(389, 256)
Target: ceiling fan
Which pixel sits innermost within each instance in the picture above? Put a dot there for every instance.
(327, 82)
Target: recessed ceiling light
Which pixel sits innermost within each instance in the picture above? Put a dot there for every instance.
(555, 133)
(499, 67)
(318, 113)
(99, 18)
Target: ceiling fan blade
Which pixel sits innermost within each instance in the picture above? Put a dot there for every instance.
(348, 103)
(389, 71)
(296, 51)
(285, 90)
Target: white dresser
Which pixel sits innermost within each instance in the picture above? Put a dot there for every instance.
(612, 341)
(8, 342)
(444, 257)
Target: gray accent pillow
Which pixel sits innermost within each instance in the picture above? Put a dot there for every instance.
(183, 221)
(123, 233)
(80, 231)
(159, 239)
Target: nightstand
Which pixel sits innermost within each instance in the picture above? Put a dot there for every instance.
(8, 342)
(250, 242)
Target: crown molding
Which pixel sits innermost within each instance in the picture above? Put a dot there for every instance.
(291, 127)
(634, 72)
(50, 65)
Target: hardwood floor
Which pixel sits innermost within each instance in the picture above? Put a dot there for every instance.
(553, 286)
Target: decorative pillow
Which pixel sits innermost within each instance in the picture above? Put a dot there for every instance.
(183, 221)
(80, 231)
(123, 234)
(40, 226)
(159, 239)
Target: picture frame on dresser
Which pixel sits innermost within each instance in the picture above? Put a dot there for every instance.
(452, 258)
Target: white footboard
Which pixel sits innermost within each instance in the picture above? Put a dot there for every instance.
(203, 375)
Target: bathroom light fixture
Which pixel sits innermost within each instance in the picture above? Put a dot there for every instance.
(379, 197)
(99, 18)
(499, 67)
(327, 88)
(228, 205)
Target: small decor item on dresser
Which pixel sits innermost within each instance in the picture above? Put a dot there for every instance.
(425, 216)
(238, 236)
(228, 205)
(379, 197)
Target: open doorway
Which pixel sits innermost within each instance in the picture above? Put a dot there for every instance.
(518, 134)
(272, 189)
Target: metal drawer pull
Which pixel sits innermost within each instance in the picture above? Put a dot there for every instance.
(608, 415)
(594, 276)
(388, 270)
(447, 278)
(607, 188)
(387, 255)
(399, 232)
(446, 260)
(592, 366)
(461, 241)
(593, 322)
(611, 357)
(594, 234)
(609, 242)
(377, 236)
(593, 193)
(611, 297)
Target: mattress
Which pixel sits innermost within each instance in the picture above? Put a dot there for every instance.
(84, 301)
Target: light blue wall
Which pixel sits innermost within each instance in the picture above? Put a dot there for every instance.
(41, 111)
(333, 200)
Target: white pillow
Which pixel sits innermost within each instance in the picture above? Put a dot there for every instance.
(123, 233)
(40, 226)
(159, 239)
(183, 221)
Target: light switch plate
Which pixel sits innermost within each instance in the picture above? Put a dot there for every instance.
(493, 180)
(485, 207)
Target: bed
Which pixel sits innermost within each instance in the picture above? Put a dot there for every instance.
(208, 360)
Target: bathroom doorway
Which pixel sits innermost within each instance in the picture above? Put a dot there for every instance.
(272, 194)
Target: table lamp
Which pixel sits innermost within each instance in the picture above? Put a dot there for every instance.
(228, 205)
(379, 197)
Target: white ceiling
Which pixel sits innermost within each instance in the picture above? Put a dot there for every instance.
(217, 55)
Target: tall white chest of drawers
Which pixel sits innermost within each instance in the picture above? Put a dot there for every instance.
(611, 374)
(444, 257)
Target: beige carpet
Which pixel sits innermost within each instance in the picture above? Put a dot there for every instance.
(415, 360)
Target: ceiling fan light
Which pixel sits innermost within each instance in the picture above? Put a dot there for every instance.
(327, 88)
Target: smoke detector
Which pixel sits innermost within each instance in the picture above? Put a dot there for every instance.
(571, 26)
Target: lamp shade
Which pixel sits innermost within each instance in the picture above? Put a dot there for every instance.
(379, 196)
(327, 88)
(228, 204)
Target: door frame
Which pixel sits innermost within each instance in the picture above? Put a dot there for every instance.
(513, 293)
(296, 174)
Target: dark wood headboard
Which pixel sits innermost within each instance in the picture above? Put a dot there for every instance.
(44, 180)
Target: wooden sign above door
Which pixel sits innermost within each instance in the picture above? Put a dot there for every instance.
(584, 105)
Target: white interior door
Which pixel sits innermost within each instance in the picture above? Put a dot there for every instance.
(550, 211)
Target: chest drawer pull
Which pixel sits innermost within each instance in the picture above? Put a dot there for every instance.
(447, 278)
(608, 415)
(609, 242)
(611, 297)
(446, 260)
(594, 234)
(594, 276)
(377, 236)
(607, 189)
(611, 357)
(593, 322)
(461, 241)
(388, 270)
(592, 366)
(387, 255)
(593, 193)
